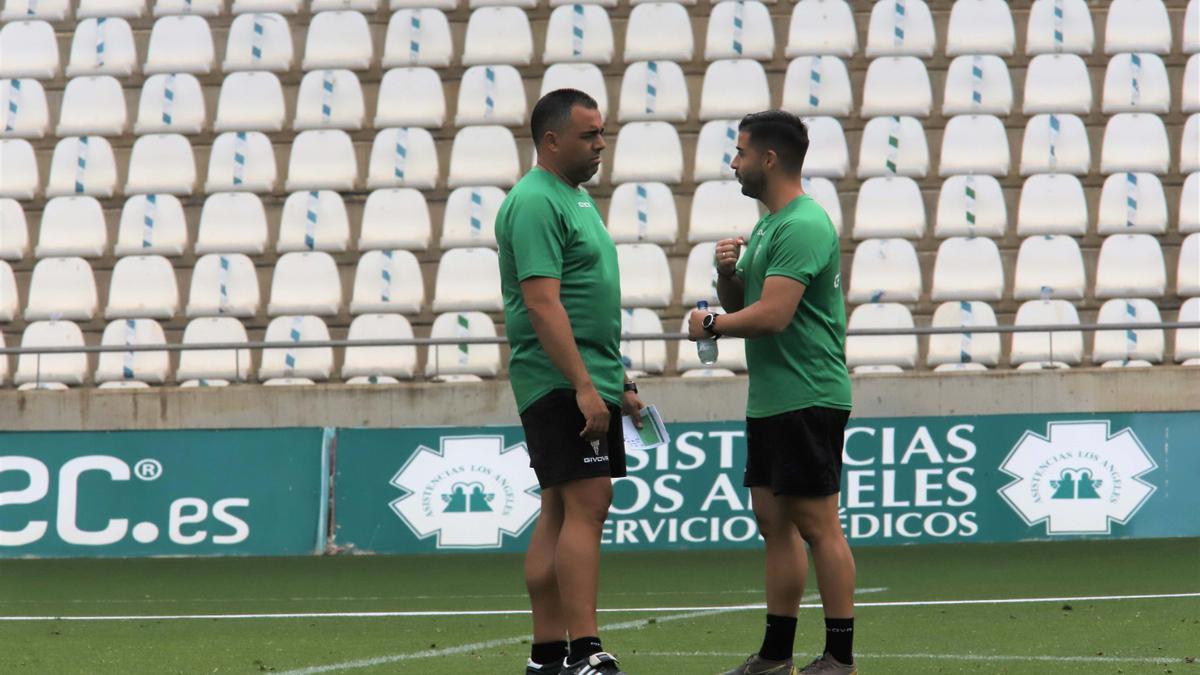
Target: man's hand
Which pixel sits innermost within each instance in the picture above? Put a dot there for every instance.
(696, 325)
(726, 255)
(632, 406)
(595, 412)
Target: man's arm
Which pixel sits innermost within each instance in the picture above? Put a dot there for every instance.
(770, 315)
(731, 290)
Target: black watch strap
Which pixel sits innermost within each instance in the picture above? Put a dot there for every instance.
(631, 386)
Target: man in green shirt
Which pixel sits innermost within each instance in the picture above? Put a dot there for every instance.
(784, 296)
(562, 314)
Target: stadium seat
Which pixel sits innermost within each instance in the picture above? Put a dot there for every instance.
(1052, 203)
(971, 206)
(10, 303)
(68, 368)
(708, 372)
(1049, 266)
(885, 270)
(896, 85)
(259, 42)
(403, 157)
(1187, 275)
(250, 101)
(1132, 202)
(322, 159)
(1131, 265)
(828, 156)
(418, 36)
(732, 87)
(18, 169)
(1189, 204)
(288, 382)
(142, 287)
(585, 77)
(280, 6)
(171, 104)
(497, 36)
(35, 10)
(1135, 142)
(700, 276)
(1190, 100)
(72, 226)
(82, 165)
(1054, 346)
(1187, 340)
(146, 367)
(822, 27)
(1057, 83)
(893, 146)
(23, 109)
(468, 279)
(491, 95)
(152, 224)
(658, 31)
(484, 155)
(653, 90)
(396, 218)
(329, 99)
(28, 49)
(463, 359)
(220, 364)
(731, 355)
(338, 39)
(1191, 28)
(823, 192)
(470, 217)
(960, 368)
(967, 347)
(198, 7)
(642, 212)
(356, 5)
(720, 211)
(102, 46)
(241, 161)
(180, 44)
(981, 27)
(578, 34)
(739, 29)
(715, 149)
(1070, 33)
(817, 85)
(1137, 26)
(14, 231)
(977, 85)
(223, 285)
(92, 106)
(647, 152)
(395, 361)
(232, 222)
(974, 144)
(646, 356)
(1189, 145)
(161, 163)
(645, 276)
(371, 379)
(411, 97)
(315, 363)
(131, 9)
(1136, 83)
(889, 206)
(1055, 144)
(1116, 345)
(968, 268)
(313, 221)
(305, 283)
(881, 350)
(900, 29)
(388, 282)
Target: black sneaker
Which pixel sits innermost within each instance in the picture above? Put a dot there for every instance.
(600, 663)
(555, 668)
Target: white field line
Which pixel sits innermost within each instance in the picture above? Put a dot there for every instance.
(1160, 660)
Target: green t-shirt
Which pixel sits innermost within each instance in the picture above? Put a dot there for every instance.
(546, 228)
(805, 365)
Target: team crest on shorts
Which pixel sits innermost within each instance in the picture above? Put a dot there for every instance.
(467, 493)
(1078, 478)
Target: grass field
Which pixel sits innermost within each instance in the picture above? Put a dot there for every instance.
(677, 613)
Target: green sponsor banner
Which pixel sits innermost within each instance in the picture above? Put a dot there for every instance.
(147, 493)
(905, 480)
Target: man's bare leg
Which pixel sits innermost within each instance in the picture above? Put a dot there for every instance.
(817, 520)
(540, 578)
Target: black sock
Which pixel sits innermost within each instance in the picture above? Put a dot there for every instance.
(543, 653)
(583, 648)
(778, 640)
(839, 639)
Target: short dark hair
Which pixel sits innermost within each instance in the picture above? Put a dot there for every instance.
(554, 109)
(780, 131)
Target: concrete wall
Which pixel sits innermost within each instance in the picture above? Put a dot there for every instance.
(1084, 390)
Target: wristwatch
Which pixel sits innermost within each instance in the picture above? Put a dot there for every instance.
(710, 325)
(631, 386)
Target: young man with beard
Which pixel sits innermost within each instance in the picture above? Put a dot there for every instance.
(562, 313)
(784, 296)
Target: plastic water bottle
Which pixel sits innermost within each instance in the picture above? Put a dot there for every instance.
(706, 348)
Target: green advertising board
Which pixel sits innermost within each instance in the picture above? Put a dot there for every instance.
(148, 493)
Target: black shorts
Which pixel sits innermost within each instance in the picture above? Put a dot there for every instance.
(797, 453)
(557, 453)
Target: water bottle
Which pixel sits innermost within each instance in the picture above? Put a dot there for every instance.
(706, 348)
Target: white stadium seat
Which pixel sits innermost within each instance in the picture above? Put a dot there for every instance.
(10, 303)
(1190, 100)
(974, 144)
(1135, 142)
(1116, 345)
(977, 85)
(470, 217)
(31, 10)
(642, 212)
(968, 268)
(900, 29)
(462, 358)
(1132, 202)
(125, 8)
(960, 368)
(817, 85)
(418, 36)
(93, 105)
(198, 7)
(223, 364)
(23, 109)
(18, 169)
(315, 363)
(388, 282)
(731, 354)
(708, 372)
(72, 226)
(715, 149)
(142, 287)
(259, 42)
(468, 279)
(1064, 347)
(1055, 144)
(411, 97)
(823, 192)
(403, 157)
(338, 39)
(1189, 145)
(1071, 33)
(1136, 83)
(224, 285)
(1187, 340)
(82, 165)
(171, 104)
(889, 206)
(645, 276)
(1137, 26)
(822, 27)
(1191, 28)
(484, 155)
(395, 361)
(1189, 204)
(232, 222)
(981, 27)
(896, 85)
(881, 350)
(395, 218)
(68, 368)
(139, 366)
(161, 163)
(653, 90)
(739, 29)
(658, 31)
(967, 347)
(647, 152)
(329, 99)
(281, 6)
(491, 95)
(102, 47)
(1049, 266)
(305, 283)
(885, 270)
(1052, 203)
(152, 224)
(828, 156)
(578, 34)
(893, 146)
(1187, 276)
(313, 221)
(14, 231)
(585, 77)
(241, 161)
(180, 44)
(971, 206)
(250, 101)
(322, 159)
(1131, 265)
(700, 276)
(732, 87)
(498, 36)
(720, 211)
(1057, 83)
(647, 356)
(28, 49)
